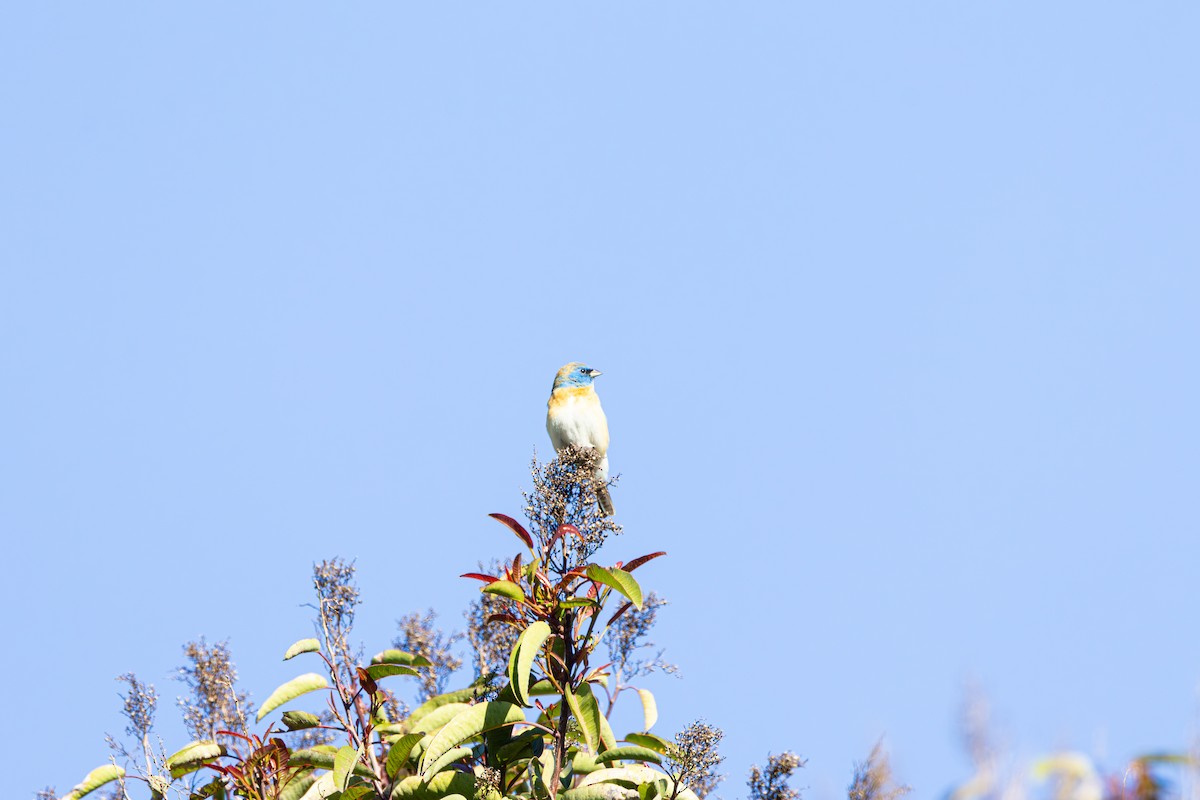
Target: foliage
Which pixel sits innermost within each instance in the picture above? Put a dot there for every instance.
(1063, 775)
(490, 644)
(692, 759)
(212, 703)
(418, 635)
(873, 779)
(556, 636)
(772, 783)
(531, 725)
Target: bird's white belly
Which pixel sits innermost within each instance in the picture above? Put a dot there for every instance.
(575, 421)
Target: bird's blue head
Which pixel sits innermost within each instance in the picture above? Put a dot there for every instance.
(575, 374)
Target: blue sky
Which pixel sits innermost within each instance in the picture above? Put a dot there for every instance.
(896, 306)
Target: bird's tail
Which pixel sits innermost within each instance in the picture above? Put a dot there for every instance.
(604, 499)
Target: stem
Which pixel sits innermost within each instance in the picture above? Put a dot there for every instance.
(564, 712)
(335, 671)
(674, 783)
(612, 696)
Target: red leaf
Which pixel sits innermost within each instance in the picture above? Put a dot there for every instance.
(637, 562)
(620, 611)
(500, 618)
(558, 532)
(367, 681)
(479, 576)
(515, 527)
(283, 754)
(597, 670)
(563, 530)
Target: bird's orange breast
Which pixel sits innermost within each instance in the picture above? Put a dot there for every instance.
(565, 395)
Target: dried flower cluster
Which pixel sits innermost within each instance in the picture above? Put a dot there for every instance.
(564, 493)
(213, 703)
(629, 634)
(873, 778)
(488, 780)
(419, 636)
(772, 783)
(337, 596)
(693, 758)
(138, 706)
(491, 643)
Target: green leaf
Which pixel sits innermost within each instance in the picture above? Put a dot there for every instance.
(459, 696)
(440, 717)
(631, 753)
(578, 602)
(297, 786)
(653, 790)
(343, 763)
(436, 788)
(193, 756)
(323, 758)
(400, 657)
(529, 744)
(655, 743)
(589, 725)
(606, 733)
(505, 589)
(214, 788)
(379, 671)
(398, 755)
(599, 791)
(528, 645)
(649, 708)
(455, 754)
(302, 646)
(299, 720)
(203, 750)
(321, 788)
(355, 792)
(303, 684)
(596, 732)
(94, 780)
(466, 725)
(538, 770)
(583, 763)
(1166, 758)
(629, 775)
(618, 579)
(1071, 764)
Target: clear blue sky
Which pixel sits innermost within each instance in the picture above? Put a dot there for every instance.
(897, 306)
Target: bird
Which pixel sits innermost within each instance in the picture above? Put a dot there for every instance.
(574, 417)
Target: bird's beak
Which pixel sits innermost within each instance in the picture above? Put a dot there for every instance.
(596, 373)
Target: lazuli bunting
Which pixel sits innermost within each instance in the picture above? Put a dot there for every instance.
(574, 417)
